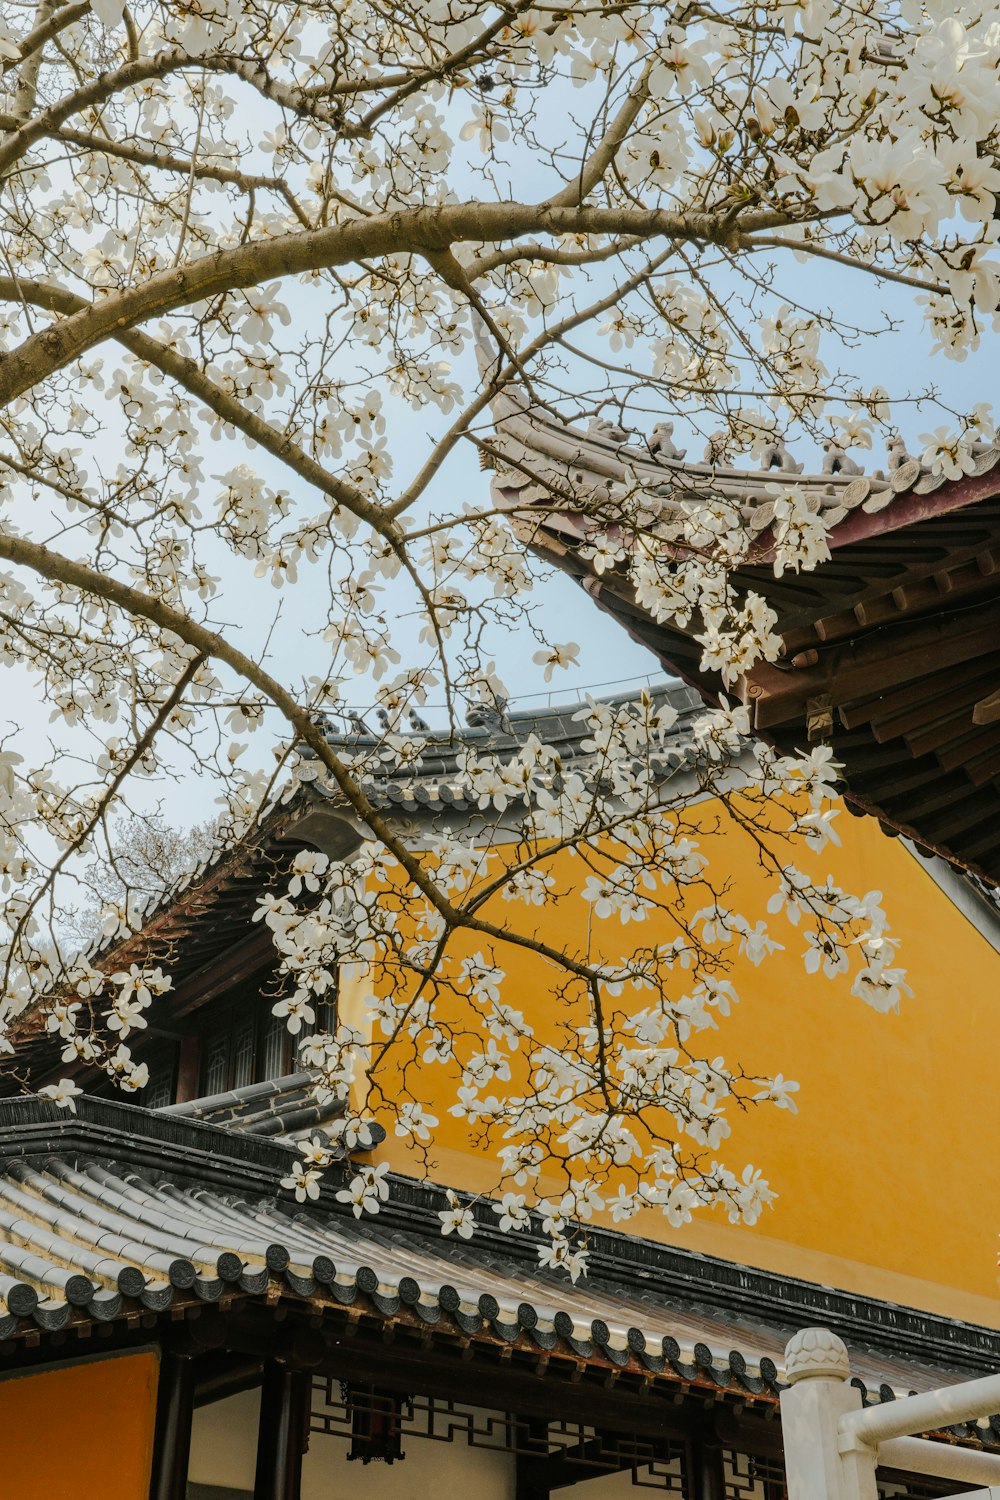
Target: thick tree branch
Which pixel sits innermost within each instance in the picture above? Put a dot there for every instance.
(399, 232)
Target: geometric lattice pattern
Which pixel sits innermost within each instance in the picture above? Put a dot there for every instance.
(341, 1411)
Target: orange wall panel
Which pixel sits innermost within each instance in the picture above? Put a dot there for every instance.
(80, 1431)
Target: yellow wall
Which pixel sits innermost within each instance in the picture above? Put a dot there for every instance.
(81, 1431)
(886, 1174)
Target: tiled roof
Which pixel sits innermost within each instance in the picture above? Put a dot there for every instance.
(548, 460)
(431, 786)
(283, 1107)
(174, 1212)
(210, 908)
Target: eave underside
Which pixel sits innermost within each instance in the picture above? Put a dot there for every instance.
(890, 655)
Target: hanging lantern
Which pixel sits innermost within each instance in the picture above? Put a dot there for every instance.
(376, 1423)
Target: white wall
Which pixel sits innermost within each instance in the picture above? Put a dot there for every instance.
(224, 1449)
(224, 1442)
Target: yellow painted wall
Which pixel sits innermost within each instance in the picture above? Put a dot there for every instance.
(886, 1175)
(81, 1431)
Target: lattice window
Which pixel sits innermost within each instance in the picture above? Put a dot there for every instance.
(159, 1091)
(243, 1053)
(242, 1042)
(215, 1063)
(749, 1477)
(354, 1412)
(350, 1412)
(275, 1048)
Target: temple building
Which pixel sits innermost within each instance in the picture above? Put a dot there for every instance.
(201, 1334)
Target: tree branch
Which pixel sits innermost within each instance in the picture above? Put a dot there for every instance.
(399, 232)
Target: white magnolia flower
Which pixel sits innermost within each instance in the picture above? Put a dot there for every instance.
(779, 1090)
(457, 1220)
(557, 656)
(64, 1093)
(367, 1191)
(315, 1152)
(512, 1212)
(303, 1181)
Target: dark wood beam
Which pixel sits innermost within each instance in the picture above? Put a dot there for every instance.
(172, 1438)
(705, 1472)
(987, 710)
(284, 1408)
(987, 845)
(984, 768)
(912, 595)
(600, 1401)
(892, 656)
(949, 792)
(938, 733)
(968, 747)
(876, 785)
(220, 974)
(220, 1375)
(925, 707)
(884, 705)
(188, 1069)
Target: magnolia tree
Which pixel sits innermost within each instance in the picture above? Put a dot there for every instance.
(247, 250)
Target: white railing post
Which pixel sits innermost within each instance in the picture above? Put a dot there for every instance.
(817, 1467)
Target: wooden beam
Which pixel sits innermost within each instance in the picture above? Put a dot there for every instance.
(172, 1438)
(938, 734)
(895, 656)
(970, 745)
(914, 567)
(987, 710)
(970, 813)
(901, 783)
(221, 1375)
(949, 792)
(558, 1393)
(220, 974)
(984, 768)
(861, 711)
(987, 843)
(284, 1406)
(705, 1472)
(926, 707)
(188, 1069)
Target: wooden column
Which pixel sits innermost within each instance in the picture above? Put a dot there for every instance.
(706, 1476)
(281, 1435)
(172, 1442)
(188, 1068)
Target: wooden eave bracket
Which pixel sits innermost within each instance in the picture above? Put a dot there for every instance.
(987, 710)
